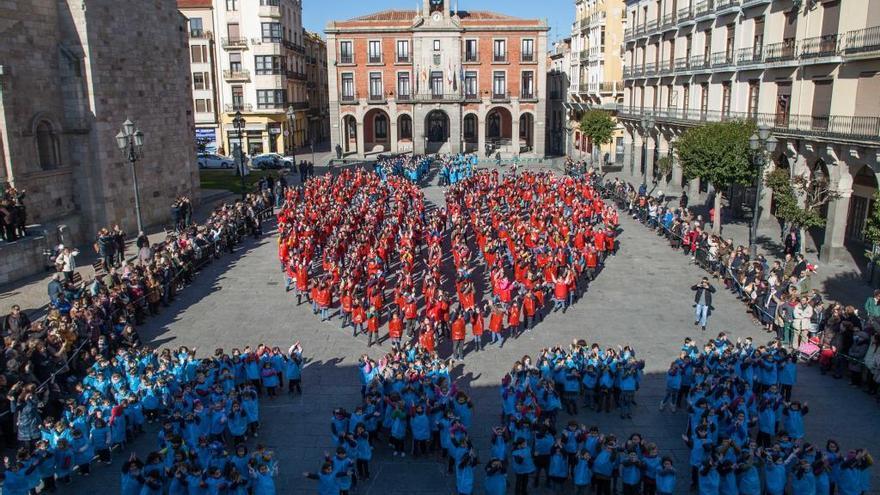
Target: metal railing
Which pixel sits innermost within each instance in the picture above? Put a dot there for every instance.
(780, 52)
(376, 97)
(234, 42)
(403, 97)
(299, 105)
(723, 59)
(685, 14)
(238, 107)
(346, 59)
(500, 96)
(820, 46)
(650, 68)
(682, 63)
(723, 5)
(703, 7)
(665, 67)
(528, 95)
(862, 40)
(750, 55)
(611, 87)
(651, 26)
(236, 74)
(699, 62)
(438, 97)
(669, 19)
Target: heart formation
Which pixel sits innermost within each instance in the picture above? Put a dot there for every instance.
(503, 248)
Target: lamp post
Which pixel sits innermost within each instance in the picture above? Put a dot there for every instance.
(131, 143)
(312, 148)
(291, 118)
(238, 122)
(759, 142)
(647, 125)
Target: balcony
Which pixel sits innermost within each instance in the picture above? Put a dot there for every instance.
(377, 98)
(753, 3)
(472, 97)
(586, 87)
(200, 34)
(627, 73)
(650, 69)
(668, 21)
(528, 96)
(238, 107)
(348, 97)
(685, 16)
(651, 27)
(704, 9)
(862, 41)
(723, 7)
(610, 87)
(820, 46)
(628, 34)
(236, 75)
(584, 55)
(273, 11)
(346, 58)
(585, 22)
(500, 97)
(234, 43)
(665, 67)
(299, 105)
(403, 97)
(749, 56)
(682, 64)
(723, 60)
(299, 76)
(785, 51)
(438, 97)
(700, 62)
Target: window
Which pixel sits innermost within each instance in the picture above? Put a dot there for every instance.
(380, 126)
(685, 97)
(201, 80)
(270, 3)
(528, 50)
(704, 98)
(375, 52)
(528, 85)
(346, 55)
(199, 54)
(268, 64)
(403, 90)
(231, 4)
(47, 145)
(237, 98)
(754, 95)
(376, 85)
(203, 105)
(272, 32)
(233, 31)
(437, 83)
(196, 29)
(347, 86)
(436, 45)
(271, 98)
(470, 128)
(403, 50)
(499, 51)
(470, 50)
(404, 127)
(470, 84)
(670, 103)
(235, 62)
(602, 38)
(725, 98)
(499, 84)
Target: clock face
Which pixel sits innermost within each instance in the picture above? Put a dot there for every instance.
(437, 16)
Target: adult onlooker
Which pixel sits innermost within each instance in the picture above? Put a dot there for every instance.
(105, 247)
(118, 243)
(66, 262)
(55, 288)
(802, 315)
(703, 302)
(872, 309)
(792, 241)
(15, 323)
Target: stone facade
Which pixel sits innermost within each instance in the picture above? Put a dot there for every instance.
(72, 72)
(437, 80)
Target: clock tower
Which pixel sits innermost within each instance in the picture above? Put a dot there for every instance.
(435, 7)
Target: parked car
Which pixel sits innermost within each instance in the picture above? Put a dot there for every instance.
(270, 161)
(211, 160)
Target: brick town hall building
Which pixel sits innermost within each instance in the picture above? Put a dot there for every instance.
(437, 80)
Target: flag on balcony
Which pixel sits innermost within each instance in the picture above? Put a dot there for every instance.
(417, 78)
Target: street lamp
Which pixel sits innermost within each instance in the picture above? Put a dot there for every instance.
(131, 143)
(238, 122)
(647, 125)
(757, 141)
(291, 118)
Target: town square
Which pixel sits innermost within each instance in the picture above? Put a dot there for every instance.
(466, 247)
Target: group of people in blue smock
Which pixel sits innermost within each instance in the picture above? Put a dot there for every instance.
(202, 406)
(410, 167)
(456, 168)
(746, 432)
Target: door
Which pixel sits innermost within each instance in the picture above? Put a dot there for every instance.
(821, 104)
(858, 214)
(783, 103)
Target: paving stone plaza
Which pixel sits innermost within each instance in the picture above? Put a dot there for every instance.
(641, 298)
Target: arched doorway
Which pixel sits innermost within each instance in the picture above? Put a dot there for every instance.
(436, 131)
(470, 132)
(861, 204)
(349, 134)
(499, 125)
(527, 131)
(404, 134)
(377, 134)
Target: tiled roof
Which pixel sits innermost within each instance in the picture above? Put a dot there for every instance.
(407, 15)
(189, 4)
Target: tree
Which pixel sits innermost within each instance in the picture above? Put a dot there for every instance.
(799, 198)
(598, 126)
(872, 229)
(718, 153)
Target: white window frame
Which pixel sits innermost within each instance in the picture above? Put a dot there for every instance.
(506, 55)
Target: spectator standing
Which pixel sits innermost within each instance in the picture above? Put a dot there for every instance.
(55, 288)
(119, 243)
(16, 323)
(66, 262)
(872, 309)
(105, 247)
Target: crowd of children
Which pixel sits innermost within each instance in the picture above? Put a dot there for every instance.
(455, 168)
(411, 167)
(746, 432)
(206, 408)
(534, 234)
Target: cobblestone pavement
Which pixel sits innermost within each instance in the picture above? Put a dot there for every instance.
(642, 298)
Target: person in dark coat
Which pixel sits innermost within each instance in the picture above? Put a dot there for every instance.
(15, 323)
(703, 302)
